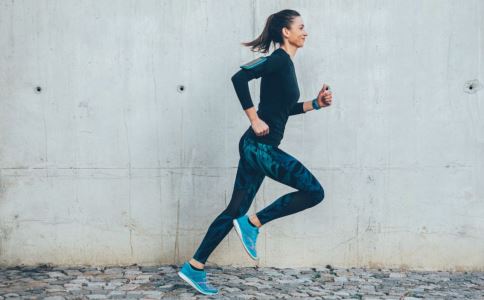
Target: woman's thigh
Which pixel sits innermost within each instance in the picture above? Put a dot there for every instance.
(285, 168)
(247, 181)
(247, 177)
(249, 167)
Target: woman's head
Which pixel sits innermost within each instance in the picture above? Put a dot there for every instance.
(285, 26)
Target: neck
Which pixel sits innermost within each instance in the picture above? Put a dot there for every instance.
(290, 49)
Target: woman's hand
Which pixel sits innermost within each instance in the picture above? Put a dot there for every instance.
(260, 127)
(325, 97)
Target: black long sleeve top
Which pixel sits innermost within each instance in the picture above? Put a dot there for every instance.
(279, 93)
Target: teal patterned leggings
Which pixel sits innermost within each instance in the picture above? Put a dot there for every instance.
(256, 161)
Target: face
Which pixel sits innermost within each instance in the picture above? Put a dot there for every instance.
(296, 35)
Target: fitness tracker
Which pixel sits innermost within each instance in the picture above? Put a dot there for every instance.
(315, 104)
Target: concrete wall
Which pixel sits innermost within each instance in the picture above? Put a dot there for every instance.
(111, 164)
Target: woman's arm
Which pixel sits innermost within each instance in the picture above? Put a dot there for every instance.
(251, 114)
(258, 125)
(301, 107)
(254, 69)
(324, 99)
(241, 84)
(240, 81)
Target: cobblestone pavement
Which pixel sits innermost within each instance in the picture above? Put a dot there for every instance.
(157, 282)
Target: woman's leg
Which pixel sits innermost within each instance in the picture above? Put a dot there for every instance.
(286, 169)
(247, 183)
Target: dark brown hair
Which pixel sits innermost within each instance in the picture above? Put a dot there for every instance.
(273, 31)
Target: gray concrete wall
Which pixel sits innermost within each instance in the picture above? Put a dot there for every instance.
(110, 164)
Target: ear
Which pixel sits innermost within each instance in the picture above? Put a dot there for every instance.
(285, 32)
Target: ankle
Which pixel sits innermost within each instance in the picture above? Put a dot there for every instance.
(254, 220)
(196, 263)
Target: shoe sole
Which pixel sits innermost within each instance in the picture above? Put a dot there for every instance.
(239, 233)
(184, 277)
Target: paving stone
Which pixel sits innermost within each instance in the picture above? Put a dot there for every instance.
(153, 293)
(342, 294)
(72, 286)
(397, 275)
(95, 285)
(128, 287)
(56, 274)
(116, 295)
(97, 296)
(80, 281)
(114, 271)
(134, 294)
(132, 274)
(55, 288)
(72, 272)
(140, 281)
(167, 269)
(168, 286)
(231, 289)
(92, 273)
(298, 294)
(151, 269)
(186, 295)
(340, 279)
(243, 296)
(11, 295)
(97, 291)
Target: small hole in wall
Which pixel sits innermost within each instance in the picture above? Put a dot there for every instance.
(181, 88)
(38, 89)
(472, 86)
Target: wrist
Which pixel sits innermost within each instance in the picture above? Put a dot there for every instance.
(252, 114)
(315, 104)
(254, 119)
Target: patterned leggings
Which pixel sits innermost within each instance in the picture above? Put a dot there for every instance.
(256, 161)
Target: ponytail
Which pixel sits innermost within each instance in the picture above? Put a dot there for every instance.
(272, 31)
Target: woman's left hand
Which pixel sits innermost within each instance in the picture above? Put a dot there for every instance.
(325, 97)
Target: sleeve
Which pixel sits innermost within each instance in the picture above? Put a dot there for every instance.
(297, 109)
(256, 68)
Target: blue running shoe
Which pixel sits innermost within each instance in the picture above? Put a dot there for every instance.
(248, 235)
(197, 279)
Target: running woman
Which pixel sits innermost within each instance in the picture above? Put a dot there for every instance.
(259, 153)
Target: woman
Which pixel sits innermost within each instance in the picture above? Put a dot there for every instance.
(260, 155)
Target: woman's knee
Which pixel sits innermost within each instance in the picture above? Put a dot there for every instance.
(317, 195)
(233, 211)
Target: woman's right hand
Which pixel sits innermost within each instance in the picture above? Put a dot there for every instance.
(260, 127)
